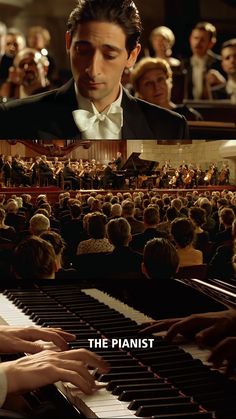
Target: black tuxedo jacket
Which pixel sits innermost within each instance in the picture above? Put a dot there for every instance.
(49, 116)
(213, 61)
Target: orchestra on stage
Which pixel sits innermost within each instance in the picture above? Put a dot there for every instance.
(74, 174)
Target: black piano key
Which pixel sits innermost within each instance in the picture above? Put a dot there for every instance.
(106, 378)
(128, 395)
(172, 365)
(127, 369)
(164, 409)
(119, 389)
(114, 383)
(122, 362)
(135, 404)
(181, 371)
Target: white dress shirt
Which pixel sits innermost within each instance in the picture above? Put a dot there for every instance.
(198, 71)
(99, 130)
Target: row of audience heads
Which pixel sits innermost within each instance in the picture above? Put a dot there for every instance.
(160, 257)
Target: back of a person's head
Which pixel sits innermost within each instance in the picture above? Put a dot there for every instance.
(106, 208)
(75, 210)
(116, 210)
(55, 240)
(12, 207)
(39, 223)
(160, 259)
(182, 231)
(177, 203)
(171, 213)
(34, 258)
(127, 208)
(119, 231)
(97, 225)
(151, 216)
(227, 216)
(198, 215)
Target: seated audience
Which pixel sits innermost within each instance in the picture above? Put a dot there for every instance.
(203, 61)
(201, 242)
(226, 89)
(14, 42)
(151, 219)
(152, 81)
(34, 258)
(122, 260)
(160, 259)
(39, 38)
(226, 219)
(97, 243)
(6, 231)
(58, 245)
(27, 76)
(182, 231)
(162, 40)
(38, 224)
(128, 210)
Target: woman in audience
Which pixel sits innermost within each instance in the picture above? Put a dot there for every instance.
(6, 232)
(97, 243)
(162, 40)
(152, 82)
(182, 231)
(201, 242)
(58, 245)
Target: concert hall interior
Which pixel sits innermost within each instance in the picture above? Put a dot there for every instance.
(106, 240)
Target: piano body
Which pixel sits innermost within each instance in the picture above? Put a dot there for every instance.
(138, 170)
(165, 381)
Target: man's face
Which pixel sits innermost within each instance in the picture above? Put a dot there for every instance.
(98, 57)
(14, 43)
(229, 60)
(200, 42)
(32, 71)
(154, 87)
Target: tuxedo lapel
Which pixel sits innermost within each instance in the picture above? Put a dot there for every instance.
(62, 123)
(135, 124)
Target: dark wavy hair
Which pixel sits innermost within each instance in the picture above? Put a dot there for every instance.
(123, 13)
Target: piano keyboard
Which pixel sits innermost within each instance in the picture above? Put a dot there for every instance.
(164, 382)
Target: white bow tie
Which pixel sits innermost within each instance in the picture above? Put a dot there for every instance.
(112, 121)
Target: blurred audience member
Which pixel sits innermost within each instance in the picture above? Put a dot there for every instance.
(27, 76)
(162, 40)
(152, 81)
(39, 38)
(200, 66)
(14, 42)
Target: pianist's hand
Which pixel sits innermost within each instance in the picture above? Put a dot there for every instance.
(47, 367)
(23, 339)
(224, 353)
(206, 328)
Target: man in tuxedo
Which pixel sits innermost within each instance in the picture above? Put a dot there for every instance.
(102, 40)
(227, 89)
(199, 67)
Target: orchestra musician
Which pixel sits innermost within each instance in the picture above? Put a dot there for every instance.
(7, 171)
(118, 160)
(70, 175)
(35, 171)
(45, 172)
(19, 176)
(86, 178)
(109, 179)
